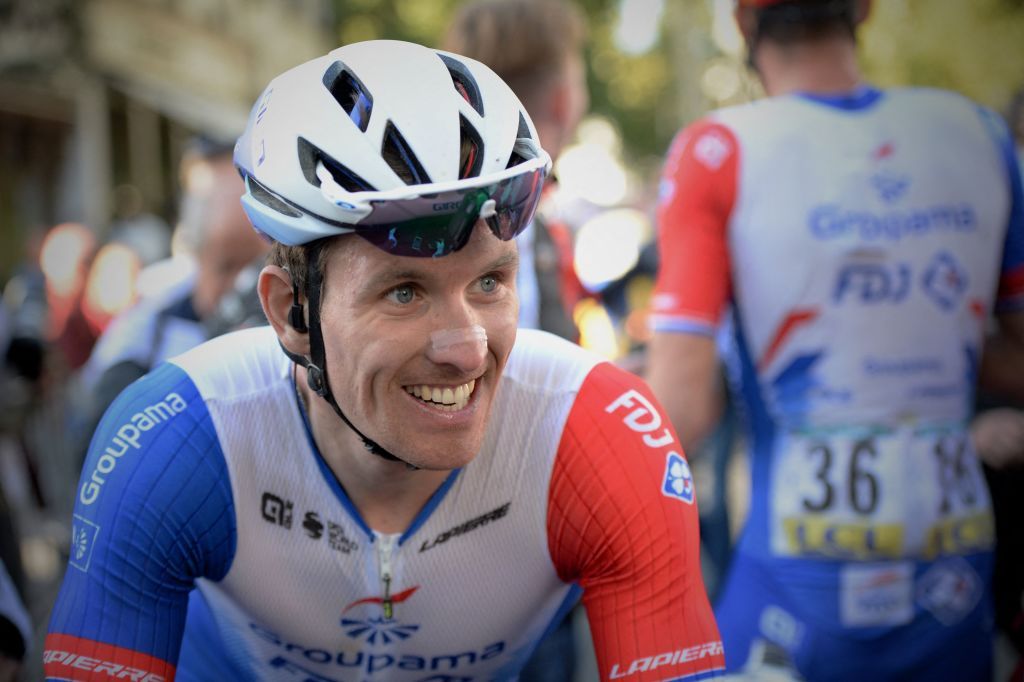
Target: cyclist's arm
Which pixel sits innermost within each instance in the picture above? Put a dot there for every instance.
(153, 512)
(698, 190)
(622, 523)
(1002, 366)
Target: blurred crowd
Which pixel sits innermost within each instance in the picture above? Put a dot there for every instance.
(84, 316)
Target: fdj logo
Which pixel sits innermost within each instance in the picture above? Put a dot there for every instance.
(642, 418)
(872, 283)
(277, 511)
(944, 281)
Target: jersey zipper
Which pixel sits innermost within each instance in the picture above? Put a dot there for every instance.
(385, 547)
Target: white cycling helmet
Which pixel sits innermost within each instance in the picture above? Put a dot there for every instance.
(405, 145)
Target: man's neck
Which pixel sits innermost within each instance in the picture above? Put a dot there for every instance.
(387, 494)
(823, 67)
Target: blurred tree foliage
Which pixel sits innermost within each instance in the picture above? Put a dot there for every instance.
(975, 47)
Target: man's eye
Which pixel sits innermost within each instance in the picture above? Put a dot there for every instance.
(403, 294)
(489, 283)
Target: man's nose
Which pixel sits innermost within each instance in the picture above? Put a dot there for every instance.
(461, 347)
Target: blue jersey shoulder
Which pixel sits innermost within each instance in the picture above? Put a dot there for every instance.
(154, 511)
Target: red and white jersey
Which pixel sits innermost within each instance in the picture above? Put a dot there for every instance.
(844, 235)
(204, 479)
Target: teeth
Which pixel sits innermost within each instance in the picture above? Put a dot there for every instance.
(446, 399)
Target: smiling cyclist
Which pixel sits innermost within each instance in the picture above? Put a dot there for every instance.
(347, 494)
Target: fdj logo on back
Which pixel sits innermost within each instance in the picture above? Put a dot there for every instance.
(872, 282)
(943, 280)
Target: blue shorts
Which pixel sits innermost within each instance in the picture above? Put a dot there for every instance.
(944, 609)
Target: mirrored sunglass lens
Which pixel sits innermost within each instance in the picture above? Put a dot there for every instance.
(427, 237)
(433, 236)
(516, 203)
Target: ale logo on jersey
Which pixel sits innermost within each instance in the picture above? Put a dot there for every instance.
(678, 481)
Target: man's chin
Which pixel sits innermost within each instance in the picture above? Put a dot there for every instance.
(438, 459)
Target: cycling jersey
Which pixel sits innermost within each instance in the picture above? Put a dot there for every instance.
(852, 249)
(212, 541)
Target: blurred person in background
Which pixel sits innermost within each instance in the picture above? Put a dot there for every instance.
(998, 434)
(65, 259)
(544, 67)
(15, 629)
(219, 243)
(857, 239)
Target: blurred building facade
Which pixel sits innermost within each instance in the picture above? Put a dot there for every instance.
(97, 95)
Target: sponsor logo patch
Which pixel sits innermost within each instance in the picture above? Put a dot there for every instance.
(944, 281)
(83, 539)
(678, 481)
(950, 589)
(462, 529)
(876, 594)
(276, 510)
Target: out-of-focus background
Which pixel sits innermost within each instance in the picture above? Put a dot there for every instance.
(100, 100)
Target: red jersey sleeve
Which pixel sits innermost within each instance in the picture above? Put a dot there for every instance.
(696, 198)
(622, 523)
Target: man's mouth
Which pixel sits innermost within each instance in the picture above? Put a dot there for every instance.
(448, 398)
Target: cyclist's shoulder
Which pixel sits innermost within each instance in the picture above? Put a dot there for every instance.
(238, 363)
(546, 367)
(545, 363)
(937, 104)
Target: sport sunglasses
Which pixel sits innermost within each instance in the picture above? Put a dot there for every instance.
(435, 220)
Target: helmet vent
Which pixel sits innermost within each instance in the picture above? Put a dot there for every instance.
(310, 155)
(471, 157)
(464, 82)
(399, 156)
(515, 158)
(267, 198)
(350, 93)
(524, 128)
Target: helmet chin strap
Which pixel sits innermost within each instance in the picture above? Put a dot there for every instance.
(316, 364)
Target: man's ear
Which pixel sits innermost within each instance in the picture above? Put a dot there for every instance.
(276, 296)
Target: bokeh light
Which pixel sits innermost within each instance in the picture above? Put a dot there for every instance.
(608, 246)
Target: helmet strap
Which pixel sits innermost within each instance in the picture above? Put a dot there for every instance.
(316, 365)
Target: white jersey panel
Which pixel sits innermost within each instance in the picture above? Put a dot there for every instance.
(860, 235)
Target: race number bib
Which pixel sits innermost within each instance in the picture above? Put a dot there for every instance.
(878, 495)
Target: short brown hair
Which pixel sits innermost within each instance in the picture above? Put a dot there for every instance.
(295, 259)
(520, 40)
